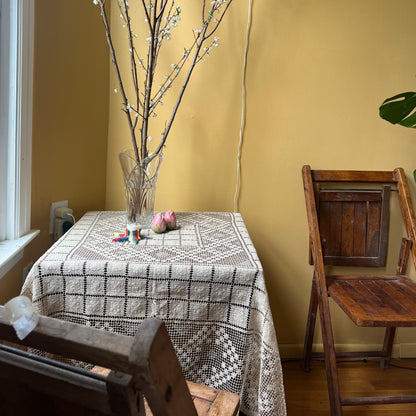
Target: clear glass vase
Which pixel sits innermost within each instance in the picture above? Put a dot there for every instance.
(140, 185)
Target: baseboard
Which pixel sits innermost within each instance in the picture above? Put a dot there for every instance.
(405, 350)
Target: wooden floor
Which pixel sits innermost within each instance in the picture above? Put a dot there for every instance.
(307, 395)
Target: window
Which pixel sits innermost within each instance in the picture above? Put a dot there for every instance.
(16, 74)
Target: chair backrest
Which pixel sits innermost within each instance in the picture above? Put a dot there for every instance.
(143, 365)
(352, 224)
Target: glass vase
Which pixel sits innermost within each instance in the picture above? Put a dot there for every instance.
(140, 188)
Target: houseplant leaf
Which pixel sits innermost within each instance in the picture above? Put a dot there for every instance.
(399, 109)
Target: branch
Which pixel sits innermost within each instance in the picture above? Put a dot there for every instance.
(175, 110)
(114, 60)
(219, 20)
(133, 62)
(147, 15)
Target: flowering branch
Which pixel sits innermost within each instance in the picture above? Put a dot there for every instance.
(161, 16)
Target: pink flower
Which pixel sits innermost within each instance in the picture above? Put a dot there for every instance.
(170, 220)
(158, 223)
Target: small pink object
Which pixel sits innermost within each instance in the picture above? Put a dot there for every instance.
(170, 220)
(158, 223)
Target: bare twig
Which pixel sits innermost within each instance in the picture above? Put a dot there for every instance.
(114, 60)
(161, 17)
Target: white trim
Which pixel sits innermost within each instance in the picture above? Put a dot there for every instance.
(11, 251)
(16, 96)
(27, 22)
(20, 116)
(4, 103)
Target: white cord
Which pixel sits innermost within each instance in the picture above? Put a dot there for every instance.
(73, 218)
(243, 107)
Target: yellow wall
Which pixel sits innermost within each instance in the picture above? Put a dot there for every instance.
(317, 72)
(70, 108)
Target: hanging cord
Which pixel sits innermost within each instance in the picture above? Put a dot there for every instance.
(243, 108)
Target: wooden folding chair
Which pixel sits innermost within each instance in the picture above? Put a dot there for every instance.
(145, 365)
(349, 227)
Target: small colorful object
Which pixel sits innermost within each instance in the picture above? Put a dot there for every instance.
(158, 223)
(170, 220)
(132, 236)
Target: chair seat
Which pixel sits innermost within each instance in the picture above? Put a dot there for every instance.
(375, 301)
(212, 402)
(207, 400)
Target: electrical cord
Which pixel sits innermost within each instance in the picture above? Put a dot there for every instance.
(243, 107)
(73, 218)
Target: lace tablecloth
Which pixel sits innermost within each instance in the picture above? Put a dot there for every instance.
(204, 280)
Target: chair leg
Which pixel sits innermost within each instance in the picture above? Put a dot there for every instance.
(330, 358)
(387, 347)
(310, 328)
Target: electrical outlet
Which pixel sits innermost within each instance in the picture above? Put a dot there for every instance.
(52, 217)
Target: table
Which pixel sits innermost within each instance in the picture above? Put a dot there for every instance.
(204, 280)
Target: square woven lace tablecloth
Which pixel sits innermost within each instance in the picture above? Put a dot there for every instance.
(204, 280)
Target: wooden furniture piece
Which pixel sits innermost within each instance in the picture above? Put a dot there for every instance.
(349, 227)
(204, 280)
(143, 365)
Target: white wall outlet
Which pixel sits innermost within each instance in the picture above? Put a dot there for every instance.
(55, 205)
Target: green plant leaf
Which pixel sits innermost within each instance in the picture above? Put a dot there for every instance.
(414, 175)
(398, 109)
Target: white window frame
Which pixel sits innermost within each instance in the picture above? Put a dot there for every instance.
(16, 95)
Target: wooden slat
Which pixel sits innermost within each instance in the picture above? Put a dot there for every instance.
(355, 291)
(384, 224)
(365, 401)
(407, 209)
(319, 277)
(333, 244)
(353, 176)
(380, 294)
(87, 391)
(104, 348)
(360, 229)
(347, 230)
(332, 195)
(203, 392)
(374, 302)
(352, 261)
(331, 278)
(373, 233)
(202, 406)
(405, 248)
(225, 404)
(403, 294)
(324, 225)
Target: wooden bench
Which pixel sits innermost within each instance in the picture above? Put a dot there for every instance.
(132, 375)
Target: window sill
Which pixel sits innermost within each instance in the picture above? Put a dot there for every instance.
(11, 251)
